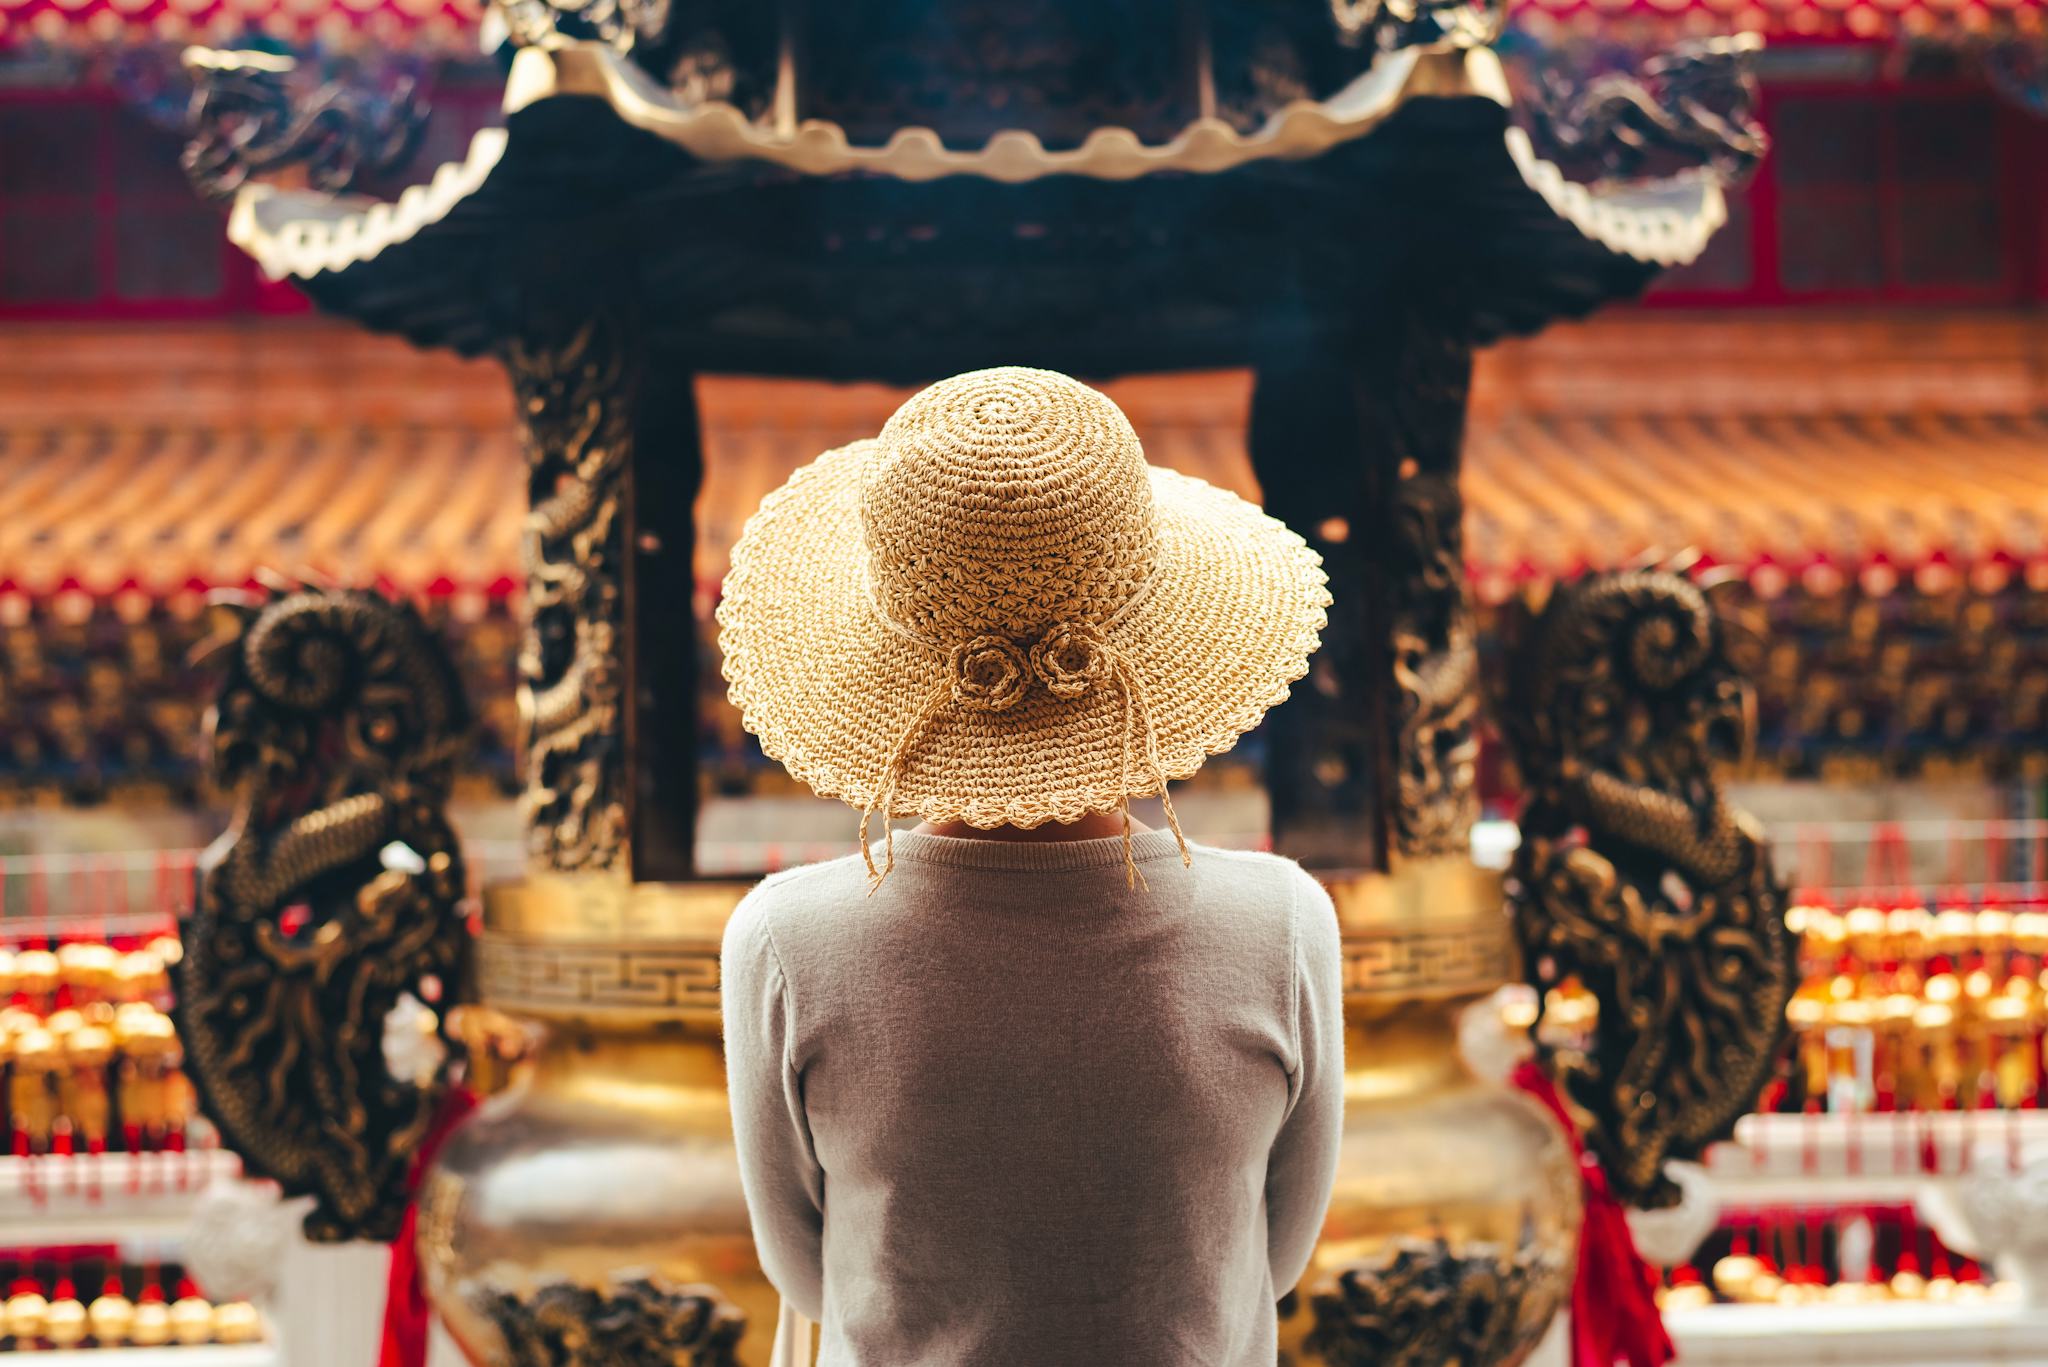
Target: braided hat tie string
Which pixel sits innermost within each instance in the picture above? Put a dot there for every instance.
(885, 787)
(992, 674)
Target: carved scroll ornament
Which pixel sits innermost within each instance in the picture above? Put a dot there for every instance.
(633, 1320)
(1638, 878)
(573, 395)
(247, 120)
(1389, 25)
(1436, 673)
(1693, 108)
(1429, 1303)
(336, 892)
(621, 24)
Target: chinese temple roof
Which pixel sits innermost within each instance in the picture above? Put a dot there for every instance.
(823, 228)
(1836, 19)
(1779, 496)
(417, 25)
(453, 26)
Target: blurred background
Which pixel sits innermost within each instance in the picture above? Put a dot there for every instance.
(1841, 407)
(1840, 401)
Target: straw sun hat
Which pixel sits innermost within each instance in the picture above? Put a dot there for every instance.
(996, 612)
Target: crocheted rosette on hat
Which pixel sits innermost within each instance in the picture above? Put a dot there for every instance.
(997, 612)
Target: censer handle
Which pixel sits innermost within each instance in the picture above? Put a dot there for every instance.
(331, 912)
(1644, 900)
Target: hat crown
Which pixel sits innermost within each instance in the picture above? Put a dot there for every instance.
(1001, 501)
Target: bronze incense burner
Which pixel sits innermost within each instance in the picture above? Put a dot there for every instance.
(1339, 197)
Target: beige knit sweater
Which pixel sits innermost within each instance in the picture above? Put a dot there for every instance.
(1009, 1112)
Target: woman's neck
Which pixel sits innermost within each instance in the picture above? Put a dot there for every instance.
(1093, 826)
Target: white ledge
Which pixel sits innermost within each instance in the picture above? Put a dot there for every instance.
(94, 1198)
(1881, 1334)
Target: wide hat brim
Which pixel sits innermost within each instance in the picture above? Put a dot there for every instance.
(1236, 606)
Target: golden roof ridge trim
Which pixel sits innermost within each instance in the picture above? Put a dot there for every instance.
(1657, 234)
(717, 131)
(1622, 221)
(307, 247)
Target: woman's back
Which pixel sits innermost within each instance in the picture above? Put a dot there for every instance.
(1010, 1110)
(1012, 1103)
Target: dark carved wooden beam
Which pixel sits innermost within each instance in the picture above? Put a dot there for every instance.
(666, 474)
(1357, 449)
(611, 642)
(1322, 474)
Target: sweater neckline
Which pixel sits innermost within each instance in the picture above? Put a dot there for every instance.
(1032, 855)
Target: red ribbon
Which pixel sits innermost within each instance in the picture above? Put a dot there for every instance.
(406, 1313)
(1614, 1306)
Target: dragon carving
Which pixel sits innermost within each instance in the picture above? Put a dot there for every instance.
(571, 691)
(336, 892)
(1390, 25)
(1692, 107)
(623, 24)
(1638, 878)
(1427, 1303)
(1436, 672)
(244, 121)
(641, 1319)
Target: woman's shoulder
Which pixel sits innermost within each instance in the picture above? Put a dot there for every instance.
(804, 878)
(1265, 871)
(782, 901)
(1261, 882)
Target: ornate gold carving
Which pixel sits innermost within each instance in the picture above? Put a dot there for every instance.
(1436, 672)
(1390, 25)
(588, 947)
(632, 1320)
(621, 24)
(573, 398)
(1433, 928)
(1638, 878)
(1458, 958)
(622, 1126)
(1692, 108)
(1428, 1303)
(246, 120)
(535, 977)
(337, 890)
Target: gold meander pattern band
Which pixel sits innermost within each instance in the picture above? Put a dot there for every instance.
(597, 947)
(1473, 956)
(515, 975)
(1429, 928)
(541, 978)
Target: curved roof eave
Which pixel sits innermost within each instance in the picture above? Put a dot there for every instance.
(321, 240)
